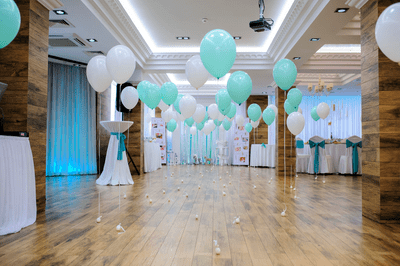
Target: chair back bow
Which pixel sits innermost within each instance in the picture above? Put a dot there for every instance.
(121, 144)
(263, 145)
(355, 153)
(299, 144)
(316, 155)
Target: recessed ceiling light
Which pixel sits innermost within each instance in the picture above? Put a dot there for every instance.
(264, 92)
(237, 37)
(183, 38)
(341, 10)
(314, 39)
(60, 12)
(91, 40)
(297, 58)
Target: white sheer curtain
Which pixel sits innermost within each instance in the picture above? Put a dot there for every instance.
(271, 128)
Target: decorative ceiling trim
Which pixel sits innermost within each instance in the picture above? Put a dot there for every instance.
(332, 63)
(51, 4)
(336, 79)
(356, 3)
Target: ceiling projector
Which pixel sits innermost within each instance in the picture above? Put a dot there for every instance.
(262, 24)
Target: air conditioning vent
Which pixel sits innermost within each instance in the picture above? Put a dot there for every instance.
(55, 36)
(79, 42)
(94, 53)
(63, 42)
(60, 23)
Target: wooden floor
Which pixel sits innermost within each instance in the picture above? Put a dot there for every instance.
(324, 226)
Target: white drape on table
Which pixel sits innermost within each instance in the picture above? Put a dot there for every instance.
(152, 156)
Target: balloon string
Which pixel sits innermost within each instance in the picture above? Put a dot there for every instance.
(99, 167)
(284, 155)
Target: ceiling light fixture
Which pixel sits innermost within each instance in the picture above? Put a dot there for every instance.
(314, 39)
(60, 12)
(341, 10)
(264, 92)
(237, 37)
(91, 40)
(297, 58)
(183, 38)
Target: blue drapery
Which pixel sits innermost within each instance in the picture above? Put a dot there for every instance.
(71, 122)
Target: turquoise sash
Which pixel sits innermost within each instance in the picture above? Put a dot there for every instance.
(263, 145)
(355, 153)
(316, 155)
(299, 144)
(121, 145)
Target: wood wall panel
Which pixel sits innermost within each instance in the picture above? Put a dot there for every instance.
(135, 144)
(103, 136)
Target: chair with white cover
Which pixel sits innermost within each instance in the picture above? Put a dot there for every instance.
(302, 159)
(222, 152)
(346, 163)
(323, 164)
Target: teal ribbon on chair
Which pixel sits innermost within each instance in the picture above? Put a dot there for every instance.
(121, 145)
(263, 145)
(316, 155)
(299, 144)
(355, 153)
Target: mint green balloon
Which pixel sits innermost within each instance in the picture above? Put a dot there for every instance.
(169, 93)
(285, 73)
(239, 86)
(289, 108)
(176, 103)
(153, 96)
(294, 97)
(314, 113)
(218, 52)
(142, 88)
(171, 126)
(225, 111)
(10, 21)
(254, 112)
(199, 126)
(248, 127)
(189, 121)
(268, 116)
(223, 99)
(217, 122)
(226, 124)
(232, 111)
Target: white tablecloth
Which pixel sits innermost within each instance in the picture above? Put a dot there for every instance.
(152, 156)
(261, 156)
(17, 185)
(334, 150)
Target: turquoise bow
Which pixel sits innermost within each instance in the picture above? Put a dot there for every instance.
(355, 153)
(316, 155)
(299, 144)
(263, 145)
(121, 145)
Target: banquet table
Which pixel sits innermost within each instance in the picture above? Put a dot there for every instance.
(261, 156)
(17, 184)
(334, 150)
(152, 156)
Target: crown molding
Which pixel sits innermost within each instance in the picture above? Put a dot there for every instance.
(206, 90)
(356, 3)
(51, 4)
(336, 79)
(332, 63)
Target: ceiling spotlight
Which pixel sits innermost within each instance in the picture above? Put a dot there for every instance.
(264, 92)
(341, 10)
(237, 37)
(91, 40)
(297, 58)
(183, 38)
(60, 12)
(314, 39)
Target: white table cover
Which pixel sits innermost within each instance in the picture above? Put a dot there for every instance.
(152, 156)
(334, 150)
(261, 156)
(115, 171)
(17, 185)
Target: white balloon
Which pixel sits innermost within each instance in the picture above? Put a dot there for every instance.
(196, 73)
(295, 123)
(121, 63)
(193, 130)
(213, 111)
(199, 114)
(167, 115)
(129, 97)
(212, 125)
(179, 116)
(254, 124)
(220, 117)
(240, 120)
(323, 110)
(187, 106)
(299, 110)
(387, 32)
(97, 73)
(273, 107)
(163, 106)
(229, 119)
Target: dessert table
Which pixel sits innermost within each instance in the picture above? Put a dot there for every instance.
(116, 169)
(152, 156)
(262, 156)
(17, 184)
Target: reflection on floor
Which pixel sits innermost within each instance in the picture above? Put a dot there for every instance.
(323, 226)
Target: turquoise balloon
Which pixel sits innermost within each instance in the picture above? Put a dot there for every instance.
(239, 86)
(254, 112)
(217, 122)
(171, 126)
(226, 124)
(285, 73)
(294, 97)
(232, 111)
(199, 126)
(205, 119)
(153, 96)
(176, 103)
(142, 88)
(10, 21)
(189, 121)
(314, 114)
(223, 99)
(218, 52)
(225, 111)
(268, 116)
(169, 93)
(289, 108)
(248, 127)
